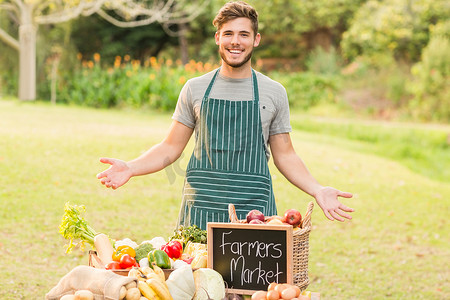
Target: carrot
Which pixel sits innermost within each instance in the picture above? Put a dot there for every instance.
(104, 248)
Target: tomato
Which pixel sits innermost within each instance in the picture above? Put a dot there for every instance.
(113, 265)
(127, 261)
(122, 250)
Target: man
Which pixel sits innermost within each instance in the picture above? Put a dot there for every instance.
(236, 114)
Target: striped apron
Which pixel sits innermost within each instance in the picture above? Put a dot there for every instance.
(228, 164)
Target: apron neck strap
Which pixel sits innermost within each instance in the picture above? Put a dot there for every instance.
(254, 85)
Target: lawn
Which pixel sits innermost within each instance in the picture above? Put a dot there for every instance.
(396, 246)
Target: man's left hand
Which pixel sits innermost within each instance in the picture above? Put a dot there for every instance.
(327, 199)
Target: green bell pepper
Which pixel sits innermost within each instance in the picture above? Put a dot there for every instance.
(159, 257)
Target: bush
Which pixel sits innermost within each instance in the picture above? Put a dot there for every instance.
(324, 62)
(431, 84)
(129, 83)
(306, 90)
(156, 83)
(398, 27)
(9, 62)
(386, 79)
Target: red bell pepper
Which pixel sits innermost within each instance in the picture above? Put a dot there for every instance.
(174, 249)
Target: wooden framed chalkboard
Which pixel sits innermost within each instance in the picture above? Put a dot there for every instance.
(250, 256)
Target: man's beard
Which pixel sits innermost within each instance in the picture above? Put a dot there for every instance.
(238, 64)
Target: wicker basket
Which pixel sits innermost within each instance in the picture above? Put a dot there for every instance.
(300, 246)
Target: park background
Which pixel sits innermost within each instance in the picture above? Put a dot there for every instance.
(368, 85)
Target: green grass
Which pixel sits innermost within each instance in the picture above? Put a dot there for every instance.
(423, 149)
(396, 247)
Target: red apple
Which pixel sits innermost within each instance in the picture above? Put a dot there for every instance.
(293, 217)
(256, 221)
(255, 215)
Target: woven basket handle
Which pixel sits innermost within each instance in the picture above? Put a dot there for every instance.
(307, 218)
(93, 254)
(232, 213)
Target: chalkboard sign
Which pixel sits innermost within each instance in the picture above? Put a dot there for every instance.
(250, 256)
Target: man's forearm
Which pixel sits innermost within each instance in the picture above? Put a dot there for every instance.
(153, 160)
(294, 170)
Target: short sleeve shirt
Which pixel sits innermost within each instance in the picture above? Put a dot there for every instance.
(273, 101)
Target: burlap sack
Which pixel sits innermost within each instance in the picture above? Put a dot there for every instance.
(103, 284)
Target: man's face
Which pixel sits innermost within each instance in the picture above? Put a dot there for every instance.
(236, 41)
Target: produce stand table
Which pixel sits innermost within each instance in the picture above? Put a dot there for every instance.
(293, 249)
(94, 261)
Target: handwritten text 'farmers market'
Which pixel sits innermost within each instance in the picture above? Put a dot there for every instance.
(256, 249)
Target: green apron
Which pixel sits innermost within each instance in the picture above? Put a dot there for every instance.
(228, 164)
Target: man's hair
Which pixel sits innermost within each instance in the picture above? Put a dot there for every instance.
(234, 10)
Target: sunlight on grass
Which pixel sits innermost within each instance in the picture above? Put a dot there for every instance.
(424, 149)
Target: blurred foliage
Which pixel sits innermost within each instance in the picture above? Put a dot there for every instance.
(202, 45)
(111, 41)
(431, 84)
(306, 90)
(376, 89)
(324, 62)
(291, 28)
(380, 55)
(304, 26)
(154, 83)
(54, 46)
(400, 28)
(9, 60)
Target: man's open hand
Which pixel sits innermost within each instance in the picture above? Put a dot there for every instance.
(116, 175)
(327, 199)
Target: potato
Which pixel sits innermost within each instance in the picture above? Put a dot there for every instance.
(133, 294)
(131, 285)
(259, 295)
(288, 293)
(67, 297)
(122, 293)
(275, 222)
(281, 287)
(271, 286)
(273, 295)
(297, 289)
(84, 295)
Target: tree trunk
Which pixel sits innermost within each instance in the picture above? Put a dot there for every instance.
(321, 37)
(183, 43)
(27, 56)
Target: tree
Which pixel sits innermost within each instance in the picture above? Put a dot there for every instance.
(110, 41)
(399, 28)
(294, 27)
(29, 14)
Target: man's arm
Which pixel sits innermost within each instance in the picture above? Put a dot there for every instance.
(155, 159)
(293, 168)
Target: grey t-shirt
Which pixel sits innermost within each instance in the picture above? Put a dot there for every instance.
(273, 100)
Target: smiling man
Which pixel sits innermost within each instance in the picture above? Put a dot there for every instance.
(236, 114)
(236, 42)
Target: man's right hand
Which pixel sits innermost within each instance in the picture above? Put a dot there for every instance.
(116, 175)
